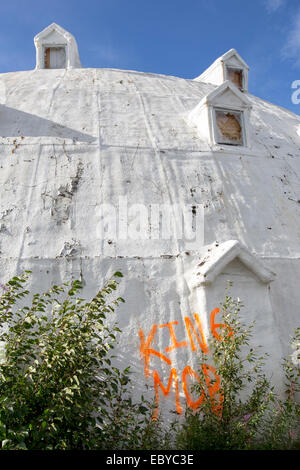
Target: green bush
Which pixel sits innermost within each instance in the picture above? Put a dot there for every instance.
(282, 427)
(250, 415)
(58, 387)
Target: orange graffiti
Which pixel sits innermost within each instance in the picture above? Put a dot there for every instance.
(201, 339)
(189, 371)
(173, 337)
(214, 326)
(146, 351)
(213, 388)
(196, 334)
(166, 391)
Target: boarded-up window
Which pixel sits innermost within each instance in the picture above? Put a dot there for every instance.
(229, 127)
(235, 76)
(55, 58)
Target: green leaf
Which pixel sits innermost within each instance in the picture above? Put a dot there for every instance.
(118, 274)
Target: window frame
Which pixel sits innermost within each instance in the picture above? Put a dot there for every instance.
(55, 46)
(216, 131)
(240, 69)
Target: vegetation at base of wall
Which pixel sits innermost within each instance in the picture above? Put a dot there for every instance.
(58, 386)
(250, 414)
(60, 389)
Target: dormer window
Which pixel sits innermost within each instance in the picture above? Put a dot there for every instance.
(55, 57)
(222, 118)
(235, 76)
(229, 66)
(56, 49)
(228, 127)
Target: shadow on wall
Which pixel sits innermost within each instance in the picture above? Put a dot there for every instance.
(14, 122)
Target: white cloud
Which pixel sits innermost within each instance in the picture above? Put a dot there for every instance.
(273, 5)
(291, 49)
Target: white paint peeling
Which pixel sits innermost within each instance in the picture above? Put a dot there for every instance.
(74, 139)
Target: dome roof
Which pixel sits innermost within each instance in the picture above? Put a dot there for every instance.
(75, 139)
(78, 144)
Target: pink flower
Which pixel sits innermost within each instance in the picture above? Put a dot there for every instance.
(247, 417)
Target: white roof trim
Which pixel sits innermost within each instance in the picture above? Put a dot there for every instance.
(208, 99)
(54, 27)
(229, 54)
(220, 256)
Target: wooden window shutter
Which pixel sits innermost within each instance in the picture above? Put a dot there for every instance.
(47, 58)
(235, 76)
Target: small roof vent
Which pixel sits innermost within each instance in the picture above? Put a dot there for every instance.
(56, 49)
(229, 66)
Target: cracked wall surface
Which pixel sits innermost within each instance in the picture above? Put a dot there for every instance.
(72, 140)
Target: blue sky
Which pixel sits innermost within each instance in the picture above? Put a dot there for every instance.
(172, 37)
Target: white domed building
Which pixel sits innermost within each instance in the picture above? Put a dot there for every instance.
(179, 184)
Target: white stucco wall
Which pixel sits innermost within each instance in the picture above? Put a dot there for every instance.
(72, 140)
